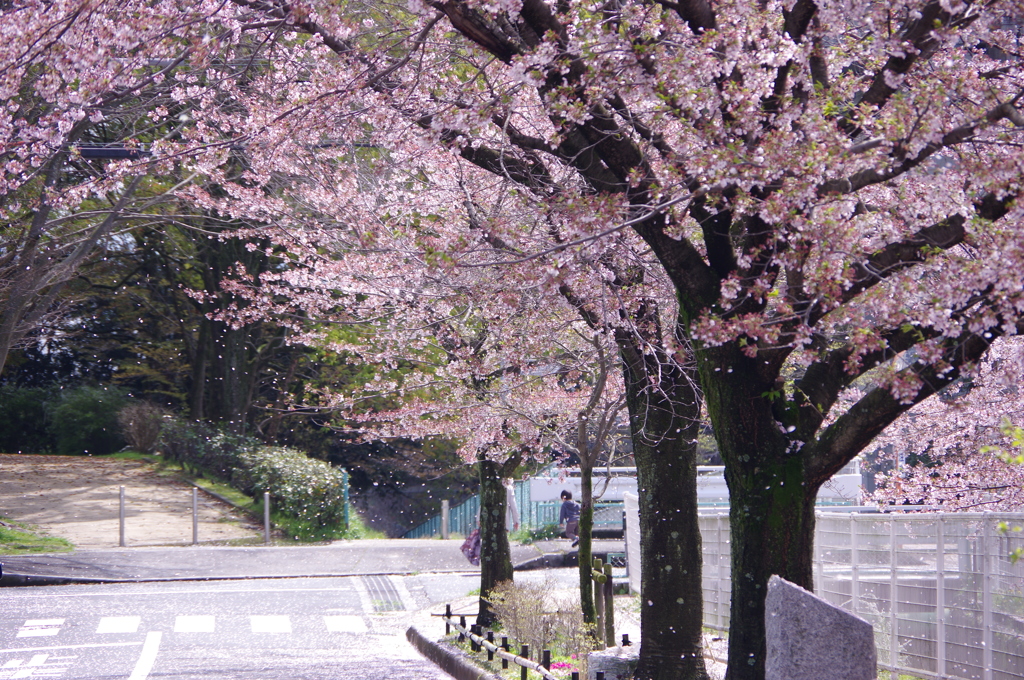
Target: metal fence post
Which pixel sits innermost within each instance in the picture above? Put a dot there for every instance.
(344, 498)
(986, 597)
(595, 581)
(854, 559)
(894, 622)
(120, 516)
(940, 594)
(195, 515)
(266, 517)
(609, 606)
(445, 518)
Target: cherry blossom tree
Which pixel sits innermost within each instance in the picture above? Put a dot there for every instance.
(828, 189)
(949, 450)
(98, 100)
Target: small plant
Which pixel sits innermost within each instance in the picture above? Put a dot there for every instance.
(533, 614)
(141, 422)
(542, 533)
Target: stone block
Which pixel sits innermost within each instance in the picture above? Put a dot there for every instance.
(810, 639)
(618, 663)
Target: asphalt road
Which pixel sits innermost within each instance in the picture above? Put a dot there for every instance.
(337, 628)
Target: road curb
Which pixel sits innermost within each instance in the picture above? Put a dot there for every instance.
(447, 660)
(17, 580)
(546, 561)
(9, 580)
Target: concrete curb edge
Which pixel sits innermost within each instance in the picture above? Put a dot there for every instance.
(452, 664)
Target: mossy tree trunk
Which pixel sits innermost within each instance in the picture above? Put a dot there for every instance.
(586, 534)
(664, 412)
(495, 552)
(771, 513)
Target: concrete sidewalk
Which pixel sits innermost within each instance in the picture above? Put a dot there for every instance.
(342, 558)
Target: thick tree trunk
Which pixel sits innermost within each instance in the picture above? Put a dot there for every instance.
(771, 513)
(586, 554)
(495, 554)
(772, 532)
(664, 419)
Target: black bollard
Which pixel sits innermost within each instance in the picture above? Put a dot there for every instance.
(546, 659)
(625, 640)
(526, 655)
(490, 652)
(462, 622)
(504, 645)
(447, 616)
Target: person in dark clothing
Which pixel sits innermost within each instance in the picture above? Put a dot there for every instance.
(569, 515)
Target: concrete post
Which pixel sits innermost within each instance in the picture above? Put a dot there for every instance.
(266, 518)
(445, 511)
(120, 516)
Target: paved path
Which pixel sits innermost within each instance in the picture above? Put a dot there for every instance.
(341, 558)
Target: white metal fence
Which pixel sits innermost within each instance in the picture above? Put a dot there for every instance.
(941, 589)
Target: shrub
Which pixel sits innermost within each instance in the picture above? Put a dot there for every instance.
(535, 614)
(24, 420)
(202, 447)
(140, 424)
(84, 421)
(311, 493)
(307, 489)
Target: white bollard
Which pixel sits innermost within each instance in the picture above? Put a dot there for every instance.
(195, 516)
(445, 516)
(120, 515)
(266, 517)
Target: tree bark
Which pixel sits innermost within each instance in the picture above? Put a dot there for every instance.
(664, 410)
(771, 509)
(586, 535)
(495, 554)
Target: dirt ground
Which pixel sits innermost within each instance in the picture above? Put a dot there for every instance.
(77, 498)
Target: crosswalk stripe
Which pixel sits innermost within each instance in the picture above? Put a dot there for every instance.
(40, 628)
(194, 624)
(118, 624)
(345, 624)
(270, 624)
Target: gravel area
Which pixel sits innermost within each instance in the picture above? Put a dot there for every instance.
(77, 498)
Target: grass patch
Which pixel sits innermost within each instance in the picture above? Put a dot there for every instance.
(542, 533)
(19, 539)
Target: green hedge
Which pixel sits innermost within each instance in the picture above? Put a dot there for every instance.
(305, 489)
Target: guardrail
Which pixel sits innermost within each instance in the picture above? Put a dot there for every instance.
(478, 643)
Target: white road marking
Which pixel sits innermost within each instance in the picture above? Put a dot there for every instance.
(364, 595)
(147, 658)
(347, 623)
(118, 624)
(194, 624)
(19, 650)
(181, 591)
(399, 583)
(38, 666)
(40, 627)
(270, 624)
